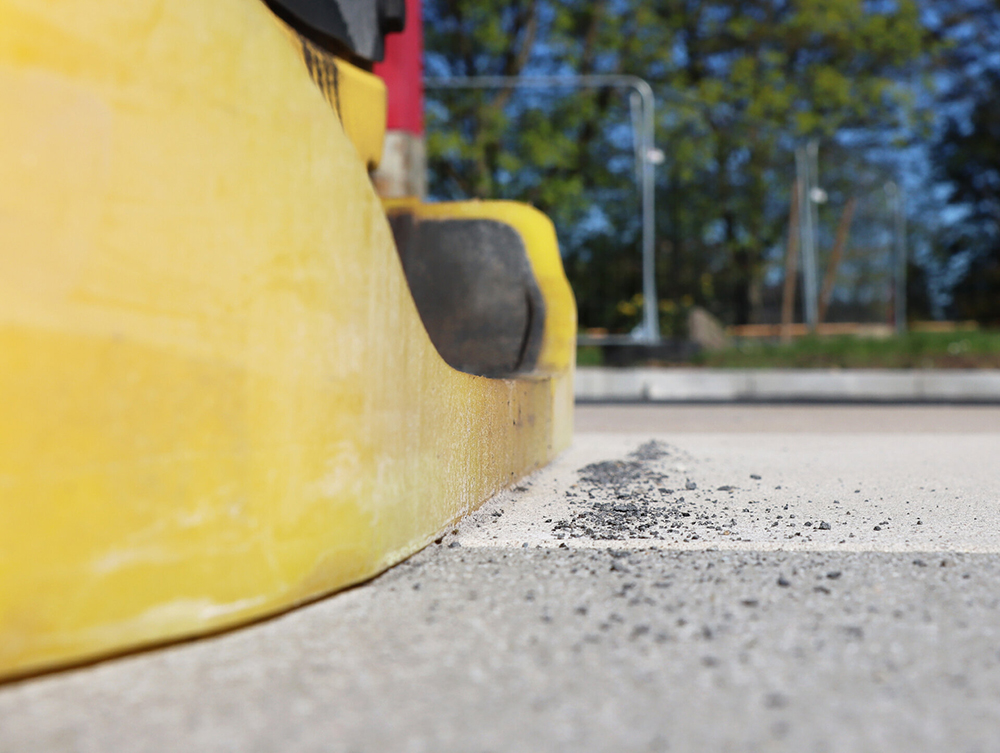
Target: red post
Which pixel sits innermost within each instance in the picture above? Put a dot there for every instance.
(402, 171)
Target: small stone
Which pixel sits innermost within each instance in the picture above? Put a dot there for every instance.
(755, 477)
(824, 526)
(690, 485)
(775, 701)
(454, 545)
(919, 563)
(783, 582)
(877, 528)
(833, 574)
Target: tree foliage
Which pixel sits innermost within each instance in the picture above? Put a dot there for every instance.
(738, 85)
(967, 156)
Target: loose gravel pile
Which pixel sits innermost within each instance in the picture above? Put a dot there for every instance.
(650, 495)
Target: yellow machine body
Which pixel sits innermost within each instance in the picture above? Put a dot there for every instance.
(217, 399)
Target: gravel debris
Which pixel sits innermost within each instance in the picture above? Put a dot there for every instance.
(633, 498)
(626, 499)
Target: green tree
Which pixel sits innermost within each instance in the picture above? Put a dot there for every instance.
(966, 155)
(968, 158)
(739, 83)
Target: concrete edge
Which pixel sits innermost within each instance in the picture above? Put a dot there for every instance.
(602, 384)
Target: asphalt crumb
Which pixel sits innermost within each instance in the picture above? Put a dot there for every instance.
(631, 499)
(659, 492)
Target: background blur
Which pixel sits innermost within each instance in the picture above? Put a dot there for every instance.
(897, 104)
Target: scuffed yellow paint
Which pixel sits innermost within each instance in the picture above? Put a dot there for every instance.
(216, 396)
(357, 96)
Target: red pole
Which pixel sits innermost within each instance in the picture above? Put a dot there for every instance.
(403, 73)
(402, 171)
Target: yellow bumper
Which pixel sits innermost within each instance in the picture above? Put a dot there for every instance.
(217, 399)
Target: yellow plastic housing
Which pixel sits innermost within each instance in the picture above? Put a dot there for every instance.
(217, 399)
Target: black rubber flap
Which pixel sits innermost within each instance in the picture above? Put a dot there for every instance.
(475, 291)
(359, 26)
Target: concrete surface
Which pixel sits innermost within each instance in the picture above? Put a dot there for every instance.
(824, 385)
(640, 418)
(647, 592)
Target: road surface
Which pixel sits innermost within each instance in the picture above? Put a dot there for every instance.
(685, 578)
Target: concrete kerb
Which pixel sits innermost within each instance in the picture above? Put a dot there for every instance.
(601, 384)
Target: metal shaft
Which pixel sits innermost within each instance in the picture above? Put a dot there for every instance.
(650, 304)
(895, 193)
(807, 217)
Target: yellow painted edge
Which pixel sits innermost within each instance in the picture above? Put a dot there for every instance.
(172, 446)
(358, 97)
(363, 111)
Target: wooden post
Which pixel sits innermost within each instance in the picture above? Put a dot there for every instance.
(839, 243)
(791, 266)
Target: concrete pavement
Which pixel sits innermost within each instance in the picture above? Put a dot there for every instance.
(801, 578)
